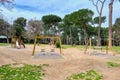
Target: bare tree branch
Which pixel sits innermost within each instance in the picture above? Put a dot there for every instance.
(102, 5)
(96, 5)
(93, 2)
(7, 3)
(100, 1)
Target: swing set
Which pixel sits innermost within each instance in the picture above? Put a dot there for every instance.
(52, 38)
(89, 45)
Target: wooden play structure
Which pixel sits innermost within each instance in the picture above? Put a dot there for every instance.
(16, 41)
(89, 46)
(52, 38)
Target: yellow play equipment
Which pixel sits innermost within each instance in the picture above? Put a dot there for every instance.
(16, 41)
(89, 45)
(51, 42)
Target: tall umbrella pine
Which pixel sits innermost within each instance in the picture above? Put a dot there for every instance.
(19, 25)
(81, 18)
(110, 21)
(68, 24)
(116, 32)
(51, 21)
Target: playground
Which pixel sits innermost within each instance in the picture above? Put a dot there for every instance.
(72, 60)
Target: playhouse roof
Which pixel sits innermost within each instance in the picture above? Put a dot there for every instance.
(3, 36)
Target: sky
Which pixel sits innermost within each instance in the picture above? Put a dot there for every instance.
(35, 9)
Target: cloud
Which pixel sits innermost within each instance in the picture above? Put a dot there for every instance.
(50, 5)
(37, 8)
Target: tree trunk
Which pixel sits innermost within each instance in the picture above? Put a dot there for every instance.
(67, 39)
(110, 23)
(70, 36)
(59, 32)
(99, 27)
(85, 35)
(7, 39)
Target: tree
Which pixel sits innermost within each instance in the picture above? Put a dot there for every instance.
(96, 4)
(35, 26)
(19, 25)
(110, 22)
(81, 18)
(51, 21)
(4, 28)
(96, 21)
(9, 5)
(116, 32)
(68, 27)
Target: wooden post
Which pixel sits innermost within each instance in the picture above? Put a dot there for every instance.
(60, 45)
(87, 46)
(107, 43)
(34, 46)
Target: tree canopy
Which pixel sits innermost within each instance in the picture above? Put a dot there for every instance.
(51, 22)
(51, 19)
(96, 19)
(116, 30)
(19, 25)
(80, 19)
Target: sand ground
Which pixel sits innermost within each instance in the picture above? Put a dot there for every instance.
(74, 61)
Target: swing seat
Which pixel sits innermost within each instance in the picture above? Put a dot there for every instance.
(52, 50)
(98, 47)
(42, 50)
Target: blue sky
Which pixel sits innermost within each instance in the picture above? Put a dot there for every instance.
(35, 9)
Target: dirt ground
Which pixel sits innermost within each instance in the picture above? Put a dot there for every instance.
(74, 61)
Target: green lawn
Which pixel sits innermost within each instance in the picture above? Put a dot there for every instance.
(116, 49)
(70, 46)
(21, 72)
(4, 44)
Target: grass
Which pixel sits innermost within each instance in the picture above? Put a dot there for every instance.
(116, 60)
(88, 75)
(112, 64)
(70, 46)
(18, 72)
(4, 44)
(115, 48)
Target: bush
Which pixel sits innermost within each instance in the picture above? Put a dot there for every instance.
(57, 44)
